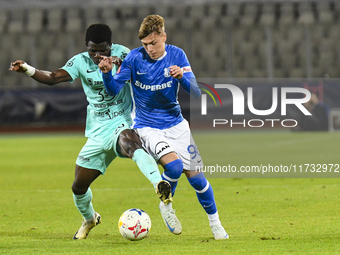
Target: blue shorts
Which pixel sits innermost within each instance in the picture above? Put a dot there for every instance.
(100, 151)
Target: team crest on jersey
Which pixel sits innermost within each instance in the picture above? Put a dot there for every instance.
(166, 72)
(70, 63)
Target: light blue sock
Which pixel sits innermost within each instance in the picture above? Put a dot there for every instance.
(147, 165)
(84, 204)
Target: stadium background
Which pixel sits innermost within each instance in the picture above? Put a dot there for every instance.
(223, 39)
(262, 215)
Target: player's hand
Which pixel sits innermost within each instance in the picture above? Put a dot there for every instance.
(176, 72)
(17, 66)
(105, 64)
(117, 61)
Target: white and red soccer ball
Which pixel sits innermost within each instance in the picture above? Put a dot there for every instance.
(134, 224)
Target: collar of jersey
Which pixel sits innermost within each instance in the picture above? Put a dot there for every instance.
(160, 58)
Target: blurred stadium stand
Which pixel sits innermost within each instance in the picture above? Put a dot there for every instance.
(223, 39)
(241, 39)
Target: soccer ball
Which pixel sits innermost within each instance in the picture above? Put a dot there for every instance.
(134, 224)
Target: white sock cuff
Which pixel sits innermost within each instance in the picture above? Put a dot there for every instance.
(214, 219)
(214, 216)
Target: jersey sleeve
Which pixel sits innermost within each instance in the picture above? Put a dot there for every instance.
(72, 67)
(188, 81)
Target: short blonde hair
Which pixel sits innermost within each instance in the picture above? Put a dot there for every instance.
(151, 24)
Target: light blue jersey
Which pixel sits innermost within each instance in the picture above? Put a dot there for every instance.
(155, 92)
(104, 111)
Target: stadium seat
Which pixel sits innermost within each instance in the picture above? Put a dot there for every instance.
(208, 23)
(74, 21)
(306, 15)
(197, 11)
(257, 34)
(297, 72)
(35, 20)
(251, 64)
(258, 73)
(242, 73)
(145, 10)
(325, 15)
(54, 19)
(223, 49)
(128, 12)
(16, 22)
(246, 47)
(55, 58)
(109, 17)
(234, 9)
(334, 29)
(179, 38)
(279, 73)
(268, 15)
(164, 10)
(238, 62)
(287, 16)
(91, 15)
(217, 9)
(251, 11)
(286, 61)
(232, 14)
(3, 20)
(290, 33)
(131, 25)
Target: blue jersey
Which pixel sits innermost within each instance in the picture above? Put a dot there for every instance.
(155, 92)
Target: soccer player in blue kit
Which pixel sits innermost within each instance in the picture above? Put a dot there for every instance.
(108, 122)
(157, 71)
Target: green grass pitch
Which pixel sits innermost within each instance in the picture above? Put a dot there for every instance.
(261, 215)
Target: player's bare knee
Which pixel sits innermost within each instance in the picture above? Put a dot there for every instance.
(128, 142)
(131, 147)
(78, 190)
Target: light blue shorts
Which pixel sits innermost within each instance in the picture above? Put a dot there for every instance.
(100, 151)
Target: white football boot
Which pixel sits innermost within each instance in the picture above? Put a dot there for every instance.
(86, 226)
(171, 220)
(219, 232)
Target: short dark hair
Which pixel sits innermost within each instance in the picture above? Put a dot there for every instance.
(98, 33)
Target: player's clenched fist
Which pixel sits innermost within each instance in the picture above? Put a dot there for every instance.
(17, 66)
(105, 64)
(176, 72)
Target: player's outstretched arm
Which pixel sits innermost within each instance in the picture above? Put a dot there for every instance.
(46, 77)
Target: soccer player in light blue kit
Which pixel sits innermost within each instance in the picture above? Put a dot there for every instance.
(107, 124)
(157, 71)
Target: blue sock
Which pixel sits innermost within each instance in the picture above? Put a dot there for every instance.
(84, 204)
(204, 193)
(147, 165)
(172, 172)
